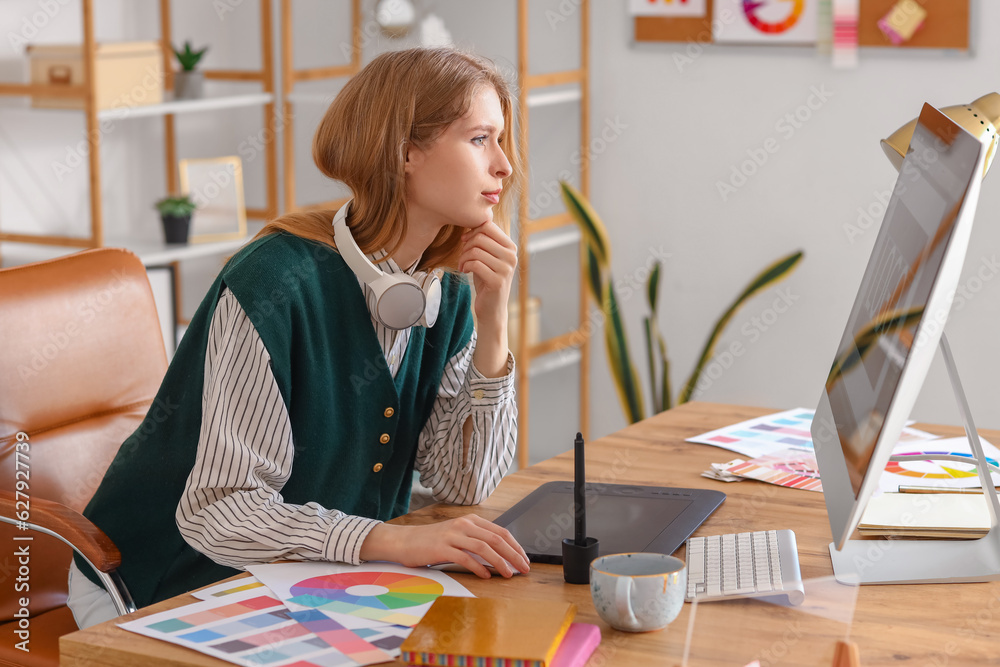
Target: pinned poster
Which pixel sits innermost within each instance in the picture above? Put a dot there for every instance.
(766, 21)
(668, 8)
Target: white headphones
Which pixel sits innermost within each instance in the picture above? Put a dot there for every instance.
(397, 300)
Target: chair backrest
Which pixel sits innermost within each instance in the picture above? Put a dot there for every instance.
(81, 359)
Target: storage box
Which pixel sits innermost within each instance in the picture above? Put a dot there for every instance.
(127, 74)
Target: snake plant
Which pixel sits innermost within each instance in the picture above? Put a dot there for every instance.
(597, 258)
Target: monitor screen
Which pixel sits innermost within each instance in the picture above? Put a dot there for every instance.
(905, 262)
(895, 325)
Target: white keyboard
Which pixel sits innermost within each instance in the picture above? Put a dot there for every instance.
(739, 565)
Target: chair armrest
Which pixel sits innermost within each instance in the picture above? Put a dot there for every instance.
(70, 526)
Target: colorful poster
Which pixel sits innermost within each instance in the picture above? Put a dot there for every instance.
(765, 21)
(670, 8)
(254, 629)
(379, 592)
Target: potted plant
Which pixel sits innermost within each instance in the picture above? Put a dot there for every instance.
(188, 83)
(175, 213)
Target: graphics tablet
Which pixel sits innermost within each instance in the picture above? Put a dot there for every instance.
(623, 518)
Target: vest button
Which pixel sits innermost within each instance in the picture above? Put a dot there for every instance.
(389, 412)
(377, 467)
(384, 439)
(478, 394)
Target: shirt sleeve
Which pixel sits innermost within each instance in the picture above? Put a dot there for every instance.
(464, 393)
(231, 509)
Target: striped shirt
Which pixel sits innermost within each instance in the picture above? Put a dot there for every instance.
(232, 509)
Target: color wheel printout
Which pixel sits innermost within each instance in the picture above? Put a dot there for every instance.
(381, 593)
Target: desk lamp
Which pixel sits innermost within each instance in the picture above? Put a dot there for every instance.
(980, 118)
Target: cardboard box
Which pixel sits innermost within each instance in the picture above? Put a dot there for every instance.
(127, 74)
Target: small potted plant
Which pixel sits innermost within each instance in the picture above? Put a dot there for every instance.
(188, 83)
(175, 213)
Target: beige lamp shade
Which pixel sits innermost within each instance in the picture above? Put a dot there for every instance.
(980, 118)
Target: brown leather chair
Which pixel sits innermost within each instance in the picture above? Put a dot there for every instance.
(81, 358)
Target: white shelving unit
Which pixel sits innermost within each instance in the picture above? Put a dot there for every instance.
(19, 248)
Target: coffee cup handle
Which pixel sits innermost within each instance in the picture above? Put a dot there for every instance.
(623, 600)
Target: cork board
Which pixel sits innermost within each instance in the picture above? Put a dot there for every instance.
(946, 26)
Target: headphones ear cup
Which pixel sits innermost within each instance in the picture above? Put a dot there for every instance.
(430, 284)
(397, 301)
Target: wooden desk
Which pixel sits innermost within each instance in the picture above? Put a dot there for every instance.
(922, 626)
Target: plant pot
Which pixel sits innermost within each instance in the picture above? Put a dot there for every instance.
(176, 228)
(188, 85)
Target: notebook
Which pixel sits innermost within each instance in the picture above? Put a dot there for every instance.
(579, 643)
(926, 515)
(458, 630)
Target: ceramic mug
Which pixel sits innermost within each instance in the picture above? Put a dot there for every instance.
(638, 592)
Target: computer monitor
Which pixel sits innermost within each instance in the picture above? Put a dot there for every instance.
(888, 344)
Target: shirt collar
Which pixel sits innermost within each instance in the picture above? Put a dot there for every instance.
(386, 264)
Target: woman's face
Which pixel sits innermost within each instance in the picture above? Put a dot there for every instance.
(457, 179)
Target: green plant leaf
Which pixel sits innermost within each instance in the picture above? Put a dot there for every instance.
(647, 327)
(653, 288)
(178, 206)
(665, 390)
(188, 58)
(769, 275)
(595, 278)
(616, 340)
(593, 230)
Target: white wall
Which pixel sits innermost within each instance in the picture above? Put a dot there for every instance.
(690, 123)
(666, 132)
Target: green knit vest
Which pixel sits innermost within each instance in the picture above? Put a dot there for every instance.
(310, 313)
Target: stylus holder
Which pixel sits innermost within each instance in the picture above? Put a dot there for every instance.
(577, 559)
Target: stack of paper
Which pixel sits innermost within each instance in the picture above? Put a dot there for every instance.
(954, 515)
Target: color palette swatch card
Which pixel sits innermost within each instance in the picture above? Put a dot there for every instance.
(845, 33)
(776, 434)
(254, 629)
(796, 470)
(381, 593)
(228, 588)
(765, 435)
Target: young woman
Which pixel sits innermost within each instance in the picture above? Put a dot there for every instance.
(295, 412)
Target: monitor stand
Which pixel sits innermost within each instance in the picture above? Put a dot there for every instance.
(878, 561)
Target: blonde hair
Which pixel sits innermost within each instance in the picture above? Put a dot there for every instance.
(400, 98)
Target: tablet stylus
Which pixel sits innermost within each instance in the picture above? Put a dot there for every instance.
(579, 482)
(579, 551)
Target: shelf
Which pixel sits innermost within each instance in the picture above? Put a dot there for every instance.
(314, 98)
(534, 99)
(210, 103)
(554, 361)
(152, 253)
(557, 238)
(554, 97)
(188, 106)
